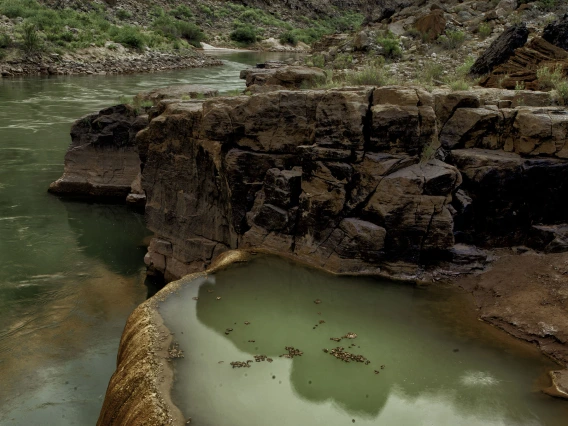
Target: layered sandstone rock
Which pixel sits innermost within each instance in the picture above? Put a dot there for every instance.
(102, 160)
(282, 77)
(341, 178)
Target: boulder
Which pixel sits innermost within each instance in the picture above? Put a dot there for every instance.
(549, 238)
(556, 33)
(102, 160)
(500, 50)
(432, 25)
(559, 386)
(290, 77)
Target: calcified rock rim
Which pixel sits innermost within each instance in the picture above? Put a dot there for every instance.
(139, 392)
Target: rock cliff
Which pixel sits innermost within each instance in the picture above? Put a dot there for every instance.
(346, 179)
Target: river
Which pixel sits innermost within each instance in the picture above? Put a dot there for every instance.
(70, 272)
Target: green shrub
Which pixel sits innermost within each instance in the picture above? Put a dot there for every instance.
(182, 12)
(484, 30)
(289, 38)
(452, 39)
(547, 4)
(244, 34)
(390, 45)
(5, 40)
(318, 61)
(31, 41)
(128, 36)
(123, 14)
(343, 61)
(18, 8)
(190, 32)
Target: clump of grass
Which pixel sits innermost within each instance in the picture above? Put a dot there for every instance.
(369, 76)
(484, 30)
(553, 79)
(430, 72)
(459, 84)
(548, 78)
(452, 39)
(343, 61)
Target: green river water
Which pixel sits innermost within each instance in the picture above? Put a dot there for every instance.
(71, 273)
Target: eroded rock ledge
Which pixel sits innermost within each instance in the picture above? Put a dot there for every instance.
(371, 180)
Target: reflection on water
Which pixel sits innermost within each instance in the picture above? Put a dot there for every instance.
(442, 366)
(70, 273)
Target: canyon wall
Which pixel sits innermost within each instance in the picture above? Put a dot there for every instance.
(382, 180)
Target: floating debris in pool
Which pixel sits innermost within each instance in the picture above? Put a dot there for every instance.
(196, 298)
(350, 335)
(175, 352)
(382, 367)
(252, 341)
(218, 298)
(247, 323)
(260, 358)
(317, 301)
(377, 371)
(210, 291)
(341, 354)
(321, 321)
(188, 421)
(335, 339)
(292, 352)
(240, 364)
(220, 362)
(229, 329)
(325, 350)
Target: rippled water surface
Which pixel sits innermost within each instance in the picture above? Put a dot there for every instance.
(442, 367)
(70, 273)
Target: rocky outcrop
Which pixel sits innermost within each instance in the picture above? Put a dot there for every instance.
(556, 33)
(500, 50)
(339, 178)
(103, 160)
(521, 68)
(431, 25)
(282, 77)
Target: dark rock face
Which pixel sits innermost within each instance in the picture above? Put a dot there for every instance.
(335, 178)
(556, 33)
(500, 50)
(102, 160)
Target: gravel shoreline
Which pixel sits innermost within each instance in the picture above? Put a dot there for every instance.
(95, 64)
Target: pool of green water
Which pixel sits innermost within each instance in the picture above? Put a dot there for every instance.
(431, 362)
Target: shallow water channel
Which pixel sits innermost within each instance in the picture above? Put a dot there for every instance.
(442, 366)
(70, 272)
